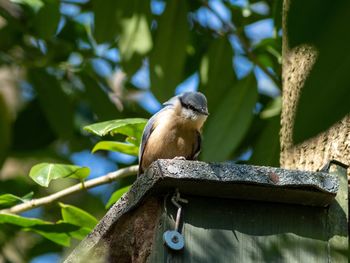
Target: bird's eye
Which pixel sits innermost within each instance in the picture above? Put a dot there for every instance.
(191, 107)
(186, 106)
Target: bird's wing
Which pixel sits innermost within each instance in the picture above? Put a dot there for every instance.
(146, 134)
(197, 148)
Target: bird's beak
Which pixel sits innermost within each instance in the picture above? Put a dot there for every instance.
(204, 112)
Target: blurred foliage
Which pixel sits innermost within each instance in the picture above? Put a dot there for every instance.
(324, 99)
(82, 62)
(116, 195)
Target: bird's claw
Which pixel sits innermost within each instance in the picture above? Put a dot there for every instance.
(179, 158)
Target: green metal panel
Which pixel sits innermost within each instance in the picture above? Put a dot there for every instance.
(338, 217)
(227, 230)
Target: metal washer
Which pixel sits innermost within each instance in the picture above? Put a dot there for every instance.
(174, 240)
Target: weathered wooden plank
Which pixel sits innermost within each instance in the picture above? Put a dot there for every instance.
(245, 182)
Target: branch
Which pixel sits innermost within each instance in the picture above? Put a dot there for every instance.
(105, 179)
(245, 45)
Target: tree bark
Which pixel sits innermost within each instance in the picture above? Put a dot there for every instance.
(317, 151)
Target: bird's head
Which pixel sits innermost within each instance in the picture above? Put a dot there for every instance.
(192, 106)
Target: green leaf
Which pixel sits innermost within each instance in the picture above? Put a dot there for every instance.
(277, 15)
(77, 216)
(129, 22)
(43, 173)
(27, 197)
(116, 196)
(308, 22)
(195, 50)
(16, 185)
(32, 119)
(36, 5)
(5, 130)
(167, 59)
(135, 37)
(266, 151)
(8, 200)
(116, 147)
(216, 72)
(324, 98)
(244, 15)
(132, 128)
(272, 109)
(46, 20)
(59, 238)
(268, 52)
(106, 23)
(81, 233)
(54, 102)
(229, 102)
(228, 123)
(59, 232)
(129, 19)
(9, 36)
(98, 99)
(21, 221)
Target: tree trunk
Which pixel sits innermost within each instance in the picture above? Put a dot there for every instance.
(331, 144)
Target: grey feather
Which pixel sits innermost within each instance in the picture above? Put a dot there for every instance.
(197, 151)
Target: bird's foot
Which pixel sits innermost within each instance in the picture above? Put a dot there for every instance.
(179, 158)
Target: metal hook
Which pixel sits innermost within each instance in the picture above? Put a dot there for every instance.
(175, 200)
(173, 238)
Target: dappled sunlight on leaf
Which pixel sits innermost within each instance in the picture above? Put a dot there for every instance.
(44, 173)
(130, 127)
(116, 147)
(77, 216)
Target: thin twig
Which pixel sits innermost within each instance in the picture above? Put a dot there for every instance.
(105, 179)
(231, 28)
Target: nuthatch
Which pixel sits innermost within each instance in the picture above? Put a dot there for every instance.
(175, 131)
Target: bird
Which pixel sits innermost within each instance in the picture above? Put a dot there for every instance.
(174, 131)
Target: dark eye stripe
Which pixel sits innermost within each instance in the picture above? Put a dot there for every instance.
(188, 106)
(192, 108)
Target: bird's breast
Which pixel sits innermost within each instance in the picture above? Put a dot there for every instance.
(168, 141)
